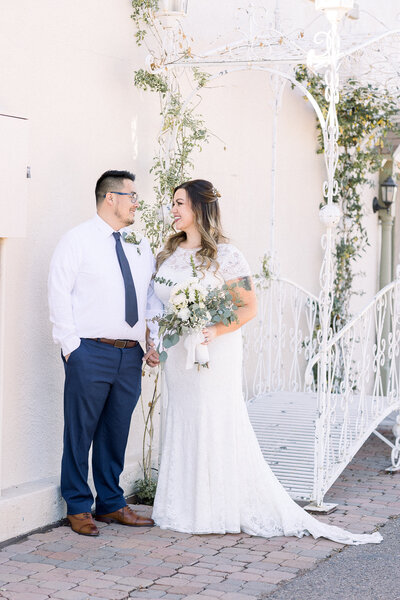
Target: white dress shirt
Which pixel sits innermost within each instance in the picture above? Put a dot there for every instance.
(86, 287)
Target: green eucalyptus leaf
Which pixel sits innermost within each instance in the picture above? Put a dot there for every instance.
(174, 339)
(168, 341)
(163, 356)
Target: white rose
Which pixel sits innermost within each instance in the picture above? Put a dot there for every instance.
(179, 299)
(184, 314)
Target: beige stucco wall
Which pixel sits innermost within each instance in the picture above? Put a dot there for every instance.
(396, 251)
(68, 67)
(396, 212)
(242, 172)
(367, 280)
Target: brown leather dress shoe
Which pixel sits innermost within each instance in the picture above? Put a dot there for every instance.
(125, 516)
(83, 524)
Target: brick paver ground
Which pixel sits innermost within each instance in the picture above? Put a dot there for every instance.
(144, 563)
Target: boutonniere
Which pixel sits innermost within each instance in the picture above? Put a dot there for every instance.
(133, 237)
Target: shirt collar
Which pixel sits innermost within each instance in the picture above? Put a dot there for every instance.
(102, 226)
(128, 229)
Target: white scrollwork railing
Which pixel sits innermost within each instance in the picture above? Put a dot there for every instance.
(358, 384)
(280, 342)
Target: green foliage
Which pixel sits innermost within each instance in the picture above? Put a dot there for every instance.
(163, 281)
(150, 81)
(200, 77)
(183, 131)
(263, 278)
(145, 490)
(188, 133)
(142, 16)
(365, 116)
(193, 266)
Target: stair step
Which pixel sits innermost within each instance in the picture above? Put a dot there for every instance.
(284, 424)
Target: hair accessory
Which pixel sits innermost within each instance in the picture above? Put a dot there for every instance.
(216, 192)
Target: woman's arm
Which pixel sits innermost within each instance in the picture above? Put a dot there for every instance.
(246, 301)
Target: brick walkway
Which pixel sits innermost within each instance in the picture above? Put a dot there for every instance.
(127, 563)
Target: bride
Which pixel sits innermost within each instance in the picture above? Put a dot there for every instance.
(213, 477)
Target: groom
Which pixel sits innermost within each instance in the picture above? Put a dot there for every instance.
(100, 295)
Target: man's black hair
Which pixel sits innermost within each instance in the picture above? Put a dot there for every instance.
(109, 181)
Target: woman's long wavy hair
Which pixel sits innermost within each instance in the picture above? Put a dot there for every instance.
(204, 203)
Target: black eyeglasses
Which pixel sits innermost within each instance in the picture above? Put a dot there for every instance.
(133, 195)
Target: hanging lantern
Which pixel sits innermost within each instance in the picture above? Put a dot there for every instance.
(172, 8)
(388, 189)
(388, 195)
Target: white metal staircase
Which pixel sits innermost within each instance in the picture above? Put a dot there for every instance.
(312, 411)
(284, 423)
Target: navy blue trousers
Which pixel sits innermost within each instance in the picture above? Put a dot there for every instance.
(102, 387)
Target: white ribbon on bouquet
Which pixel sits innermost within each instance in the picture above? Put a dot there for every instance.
(196, 351)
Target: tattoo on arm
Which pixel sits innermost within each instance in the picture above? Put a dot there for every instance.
(245, 282)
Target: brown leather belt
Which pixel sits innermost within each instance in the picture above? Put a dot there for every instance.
(117, 343)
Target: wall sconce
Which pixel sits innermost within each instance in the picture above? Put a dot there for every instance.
(388, 195)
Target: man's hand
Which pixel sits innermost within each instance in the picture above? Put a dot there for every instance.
(67, 357)
(151, 357)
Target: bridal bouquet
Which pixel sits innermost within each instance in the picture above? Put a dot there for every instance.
(191, 307)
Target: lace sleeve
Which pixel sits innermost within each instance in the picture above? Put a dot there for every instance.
(232, 263)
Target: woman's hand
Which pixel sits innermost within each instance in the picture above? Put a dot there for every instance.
(151, 357)
(210, 333)
(243, 295)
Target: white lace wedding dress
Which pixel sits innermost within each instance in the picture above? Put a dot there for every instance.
(213, 477)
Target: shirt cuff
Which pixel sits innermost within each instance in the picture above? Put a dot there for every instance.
(69, 344)
(153, 328)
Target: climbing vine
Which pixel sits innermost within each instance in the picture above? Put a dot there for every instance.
(143, 17)
(365, 115)
(182, 132)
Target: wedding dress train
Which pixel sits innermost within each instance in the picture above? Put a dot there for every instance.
(213, 477)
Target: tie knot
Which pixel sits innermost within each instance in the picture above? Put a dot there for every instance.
(116, 235)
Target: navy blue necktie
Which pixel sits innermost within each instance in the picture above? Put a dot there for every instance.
(131, 310)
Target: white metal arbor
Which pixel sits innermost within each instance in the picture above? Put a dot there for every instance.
(312, 401)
